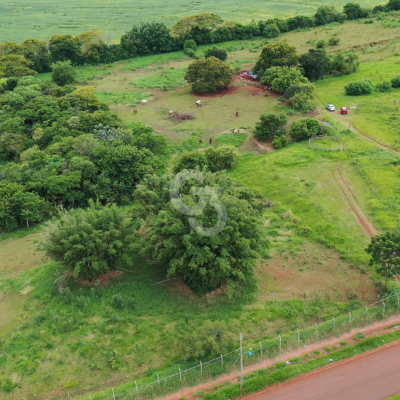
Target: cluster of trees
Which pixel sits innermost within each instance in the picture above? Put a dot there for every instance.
(212, 159)
(90, 242)
(92, 47)
(313, 65)
(274, 127)
(64, 147)
(289, 73)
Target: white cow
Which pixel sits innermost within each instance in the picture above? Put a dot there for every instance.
(145, 102)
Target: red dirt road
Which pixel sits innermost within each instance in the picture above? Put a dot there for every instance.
(374, 375)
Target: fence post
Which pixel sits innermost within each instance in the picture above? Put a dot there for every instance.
(241, 364)
(316, 328)
(90, 397)
(113, 393)
(260, 348)
(137, 390)
(158, 379)
(334, 322)
(180, 373)
(201, 368)
(398, 301)
(298, 334)
(366, 310)
(222, 359)
(383, 305)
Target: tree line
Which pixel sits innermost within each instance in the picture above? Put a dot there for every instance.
(90, 48)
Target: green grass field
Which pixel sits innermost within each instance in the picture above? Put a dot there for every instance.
(41, 19)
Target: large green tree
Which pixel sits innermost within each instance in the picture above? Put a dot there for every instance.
(315, 63)
(205, 263)
(281, 78)
(208, 75)
(276, 55)
(385, 254)
(89, 242)
(188, 27)
(270, 125)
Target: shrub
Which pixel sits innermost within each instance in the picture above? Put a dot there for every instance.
(384, 86)
(118, 301)
(321, 44)
(359, 88)
(343, 343)
(280, 141)
(270, 125)
(216, 52)
(271, 31)
(63, 73)
(304, 128)
(333, 41)
(189, 45)
(396, 82)
(359, 336)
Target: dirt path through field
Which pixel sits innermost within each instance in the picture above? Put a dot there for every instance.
(361, 134)
(345, 186)
(377, 328)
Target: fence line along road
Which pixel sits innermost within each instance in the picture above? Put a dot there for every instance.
(250, 353)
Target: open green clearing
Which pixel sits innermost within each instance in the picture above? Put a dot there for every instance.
(69, 343)
(42, 19)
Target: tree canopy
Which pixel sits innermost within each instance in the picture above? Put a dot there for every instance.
(205, 263)
(276, 55)
(208, 75)
(270, 125)
(281, 78)
(63, 73)
(385, 254)
(89, 242)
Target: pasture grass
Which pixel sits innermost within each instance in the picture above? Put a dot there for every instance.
(42, 20)
(166, 79)
(376, 114)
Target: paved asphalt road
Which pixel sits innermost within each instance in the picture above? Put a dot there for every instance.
(371, 376)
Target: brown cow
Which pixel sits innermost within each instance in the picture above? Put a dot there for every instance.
(200, 140)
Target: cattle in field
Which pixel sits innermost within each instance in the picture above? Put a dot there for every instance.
(198, 103)
(145, 102)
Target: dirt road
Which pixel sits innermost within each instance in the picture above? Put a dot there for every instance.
(345, 186)
(374, 375)
(376, 328)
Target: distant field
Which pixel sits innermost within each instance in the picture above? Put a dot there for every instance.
(22, 19)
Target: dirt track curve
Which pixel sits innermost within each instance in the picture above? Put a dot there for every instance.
(345, 186)
(377, 328)
(374, 375)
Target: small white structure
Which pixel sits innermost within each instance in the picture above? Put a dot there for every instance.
(145, 102)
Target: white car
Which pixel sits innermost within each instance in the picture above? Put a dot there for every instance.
(330, 107)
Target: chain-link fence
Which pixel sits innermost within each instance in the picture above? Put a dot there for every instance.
(268, 348)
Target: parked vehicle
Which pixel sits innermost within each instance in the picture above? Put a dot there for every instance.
(330, 107)
(343, 110)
